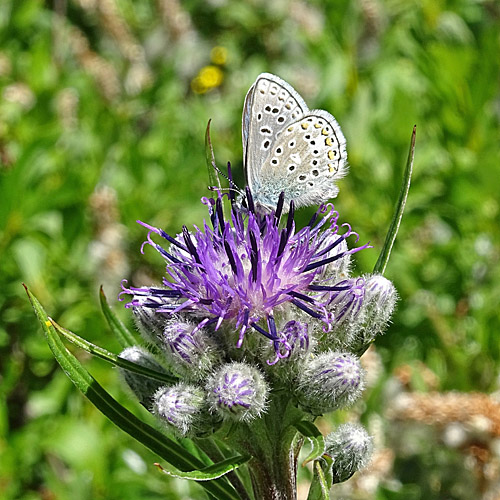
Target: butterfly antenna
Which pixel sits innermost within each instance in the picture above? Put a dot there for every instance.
(212, 167)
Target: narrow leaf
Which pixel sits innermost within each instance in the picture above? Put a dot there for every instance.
(314, 436)
(165, 447)
(124, 336)
(390, 238)
(110, 356)
(210, 473)
(213, 169)
(319, 486)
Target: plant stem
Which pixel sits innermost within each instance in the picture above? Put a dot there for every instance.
(270, 440)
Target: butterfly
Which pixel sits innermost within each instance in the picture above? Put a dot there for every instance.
(289, 148)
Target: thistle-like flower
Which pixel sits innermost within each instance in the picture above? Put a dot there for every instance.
(248, 274)
(255, 314)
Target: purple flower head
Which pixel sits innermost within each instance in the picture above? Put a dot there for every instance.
(247, 271)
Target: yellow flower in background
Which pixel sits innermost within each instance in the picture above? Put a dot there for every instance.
(207, 79)
(218, 55)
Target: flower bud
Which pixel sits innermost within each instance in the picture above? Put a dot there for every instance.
(294, 345)
(378, 306)
(142, 386)
(149, 323)
(380, 300)
(345, 306)
(183, 409)
(296, 338)
(351, 448)
(238, 391)
(190, 354)
(330, 381)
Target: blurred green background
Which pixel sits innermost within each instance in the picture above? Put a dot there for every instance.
(103, 109)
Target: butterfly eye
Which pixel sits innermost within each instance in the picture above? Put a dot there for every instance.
(302, 177)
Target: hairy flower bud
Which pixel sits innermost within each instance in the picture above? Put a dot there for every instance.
(296, 338)
(190, 352)
(149, 323)
(351, 448)
(183, 409)
(330, 381)
(294, 345)
(345, 305)
(142, 386)
(378, 306)
(238, 391)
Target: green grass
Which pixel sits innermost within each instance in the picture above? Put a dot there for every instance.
(73, 120)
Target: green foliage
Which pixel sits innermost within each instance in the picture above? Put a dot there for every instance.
(102, 123)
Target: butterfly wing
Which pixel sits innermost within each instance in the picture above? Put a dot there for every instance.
(271, 105)
(304, 162)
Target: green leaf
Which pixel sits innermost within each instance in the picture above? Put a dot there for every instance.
(208, 473)
(213, 169)
(111, 357)
(390, 238)
(319, 486)
(157, 442)
(124, 336)
(314, 436)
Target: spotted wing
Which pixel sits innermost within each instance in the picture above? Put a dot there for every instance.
(271, 105)
(305, 160)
